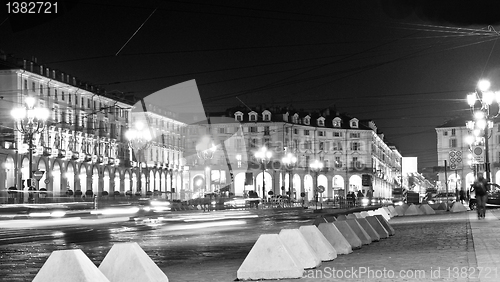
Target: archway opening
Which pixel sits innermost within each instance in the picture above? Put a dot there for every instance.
(56, 181)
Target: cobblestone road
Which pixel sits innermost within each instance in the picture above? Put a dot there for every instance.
(425, 248)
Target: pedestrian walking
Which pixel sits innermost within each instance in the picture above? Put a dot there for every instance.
(353, 199)
(360, 194)
(462, 196)
(480, 187)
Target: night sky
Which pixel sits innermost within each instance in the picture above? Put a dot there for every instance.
(407, 65)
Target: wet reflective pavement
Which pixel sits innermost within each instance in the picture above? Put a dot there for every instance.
(172, 242)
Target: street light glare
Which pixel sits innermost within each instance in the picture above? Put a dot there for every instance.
(130, 134)
(478, 115)
(30, 102)
(483, 85)
(139, 125)
(41, 113)
(488, 97)
(469, 139)
(471, 99)
(481, 124)
(18, 113)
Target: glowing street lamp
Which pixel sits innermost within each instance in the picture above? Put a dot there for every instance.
(484, 106)
(139, 139)
(205, 149)
(316, 166)
(289, 160)
(30, 120)
(263, 155)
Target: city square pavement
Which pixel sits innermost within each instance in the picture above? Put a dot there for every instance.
(442, 247)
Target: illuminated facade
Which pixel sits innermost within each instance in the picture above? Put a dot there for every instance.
(161, 164)
(83, 148)
(462, 164)
(348, 148)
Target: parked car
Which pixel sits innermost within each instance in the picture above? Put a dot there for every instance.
(493, 197)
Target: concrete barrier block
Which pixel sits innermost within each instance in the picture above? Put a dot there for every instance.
(404, 206)
(386, 225)
(369, 229)
(336, 239)
(318, 242)
(388, 212)
(127, 262)
(375, 223)
(393, 211)
(348, 234)
(358, 215)
(351, 216)
(69, 265)
(420, 211)
(382, 212)
(426, 209)
(458, 207)
(341, 217)
(319, 219)
(269, 258)
(400, 210)
(331, 218)
(298, 247)
(412, 210)
(360, 232)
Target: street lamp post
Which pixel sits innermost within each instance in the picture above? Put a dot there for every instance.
(30, 120)
(139, 139)
(472, 140)
(264, 155)
(481, 102)
(316, 166)
(289, 160)
(205, 150)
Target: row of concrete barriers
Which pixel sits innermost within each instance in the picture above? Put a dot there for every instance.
(125, 262)
(412, 209)
(286, 255)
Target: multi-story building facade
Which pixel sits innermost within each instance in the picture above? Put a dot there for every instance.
(461, 169)
(83, 147)
(164, 154)
(350, 150)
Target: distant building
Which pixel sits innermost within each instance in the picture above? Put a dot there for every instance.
(354, 155)
(83, 147)
(461, 165)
